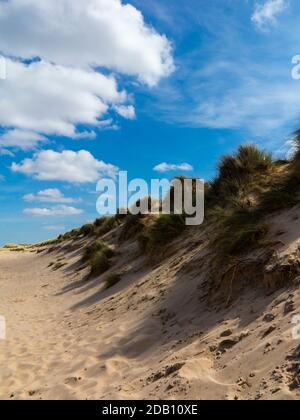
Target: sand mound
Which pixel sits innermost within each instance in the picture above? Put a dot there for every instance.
(153, 335)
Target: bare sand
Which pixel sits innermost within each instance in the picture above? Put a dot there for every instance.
(151, 336)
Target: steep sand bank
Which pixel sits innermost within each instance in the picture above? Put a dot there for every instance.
(150, 336)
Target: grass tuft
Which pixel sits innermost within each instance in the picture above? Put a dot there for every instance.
(164, 230)
(99, 263)
(132, 226)
(111, 280)
(95, 247)
(98, 255)
(87, 229)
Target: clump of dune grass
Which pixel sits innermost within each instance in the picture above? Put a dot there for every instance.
(252, 159)
(164, 229)
(15, 247)
(98, 255)
(74, 234)
(18, 249)
(94, 248)
(99, 263)
(235, 240)
(58, 265)
(10, 246)
(285, 192)
(277, 198)
(143, 242)
(105, 225)
(133, 225)
(100, 227)
(238, 174)
(111, 280)
(235, 201)
(239, 228)
(249, 188)
(87, 229)
(68, 236)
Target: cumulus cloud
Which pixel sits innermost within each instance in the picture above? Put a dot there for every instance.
(50, 195)
(52, 99)
(21, 139)
(55, 50)
(85, 33)
(168, 167)
(265, 14)
(69, 166)
(53, 211)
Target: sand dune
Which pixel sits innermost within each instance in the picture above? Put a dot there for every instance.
(150, 336)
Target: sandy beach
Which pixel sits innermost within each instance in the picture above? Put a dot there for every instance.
(151, 336)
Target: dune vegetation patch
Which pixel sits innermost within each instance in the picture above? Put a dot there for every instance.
(161, 232)
(111, 280)
(132, 226)
(98, 255)
(250, 185)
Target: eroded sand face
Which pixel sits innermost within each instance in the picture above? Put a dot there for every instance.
(151, 336)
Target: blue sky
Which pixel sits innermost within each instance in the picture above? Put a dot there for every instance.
(156, 82)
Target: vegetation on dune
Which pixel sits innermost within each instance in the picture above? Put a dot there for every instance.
(111, 280)
(68, 236)
(96, 247)
(277, 198)
(59, 265)
(99, 263)
(97, 255)
(249, 186)
(87, 229)
(163, 230)
(240, 219)
(285, 192)
(98, 228)
(231, 205)
(238, 175)
(238, 233)
(105, 225)
(132, 226)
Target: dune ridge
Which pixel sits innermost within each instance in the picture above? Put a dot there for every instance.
(153, 335)
(143, 307)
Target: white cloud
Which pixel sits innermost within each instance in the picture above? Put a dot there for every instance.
(50, 195)
(69, 166)
(64, 44)
(259, 99)
(265, 14)
(52, 99)
(168, 167)
(127, 112)
(5, 152)
(21, 139)
(54, 228)
(53, 211)
(245, 107)
(84, 33)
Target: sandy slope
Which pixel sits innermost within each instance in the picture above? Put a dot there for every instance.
(151, 336)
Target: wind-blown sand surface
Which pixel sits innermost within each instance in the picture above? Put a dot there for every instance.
(151, 336)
